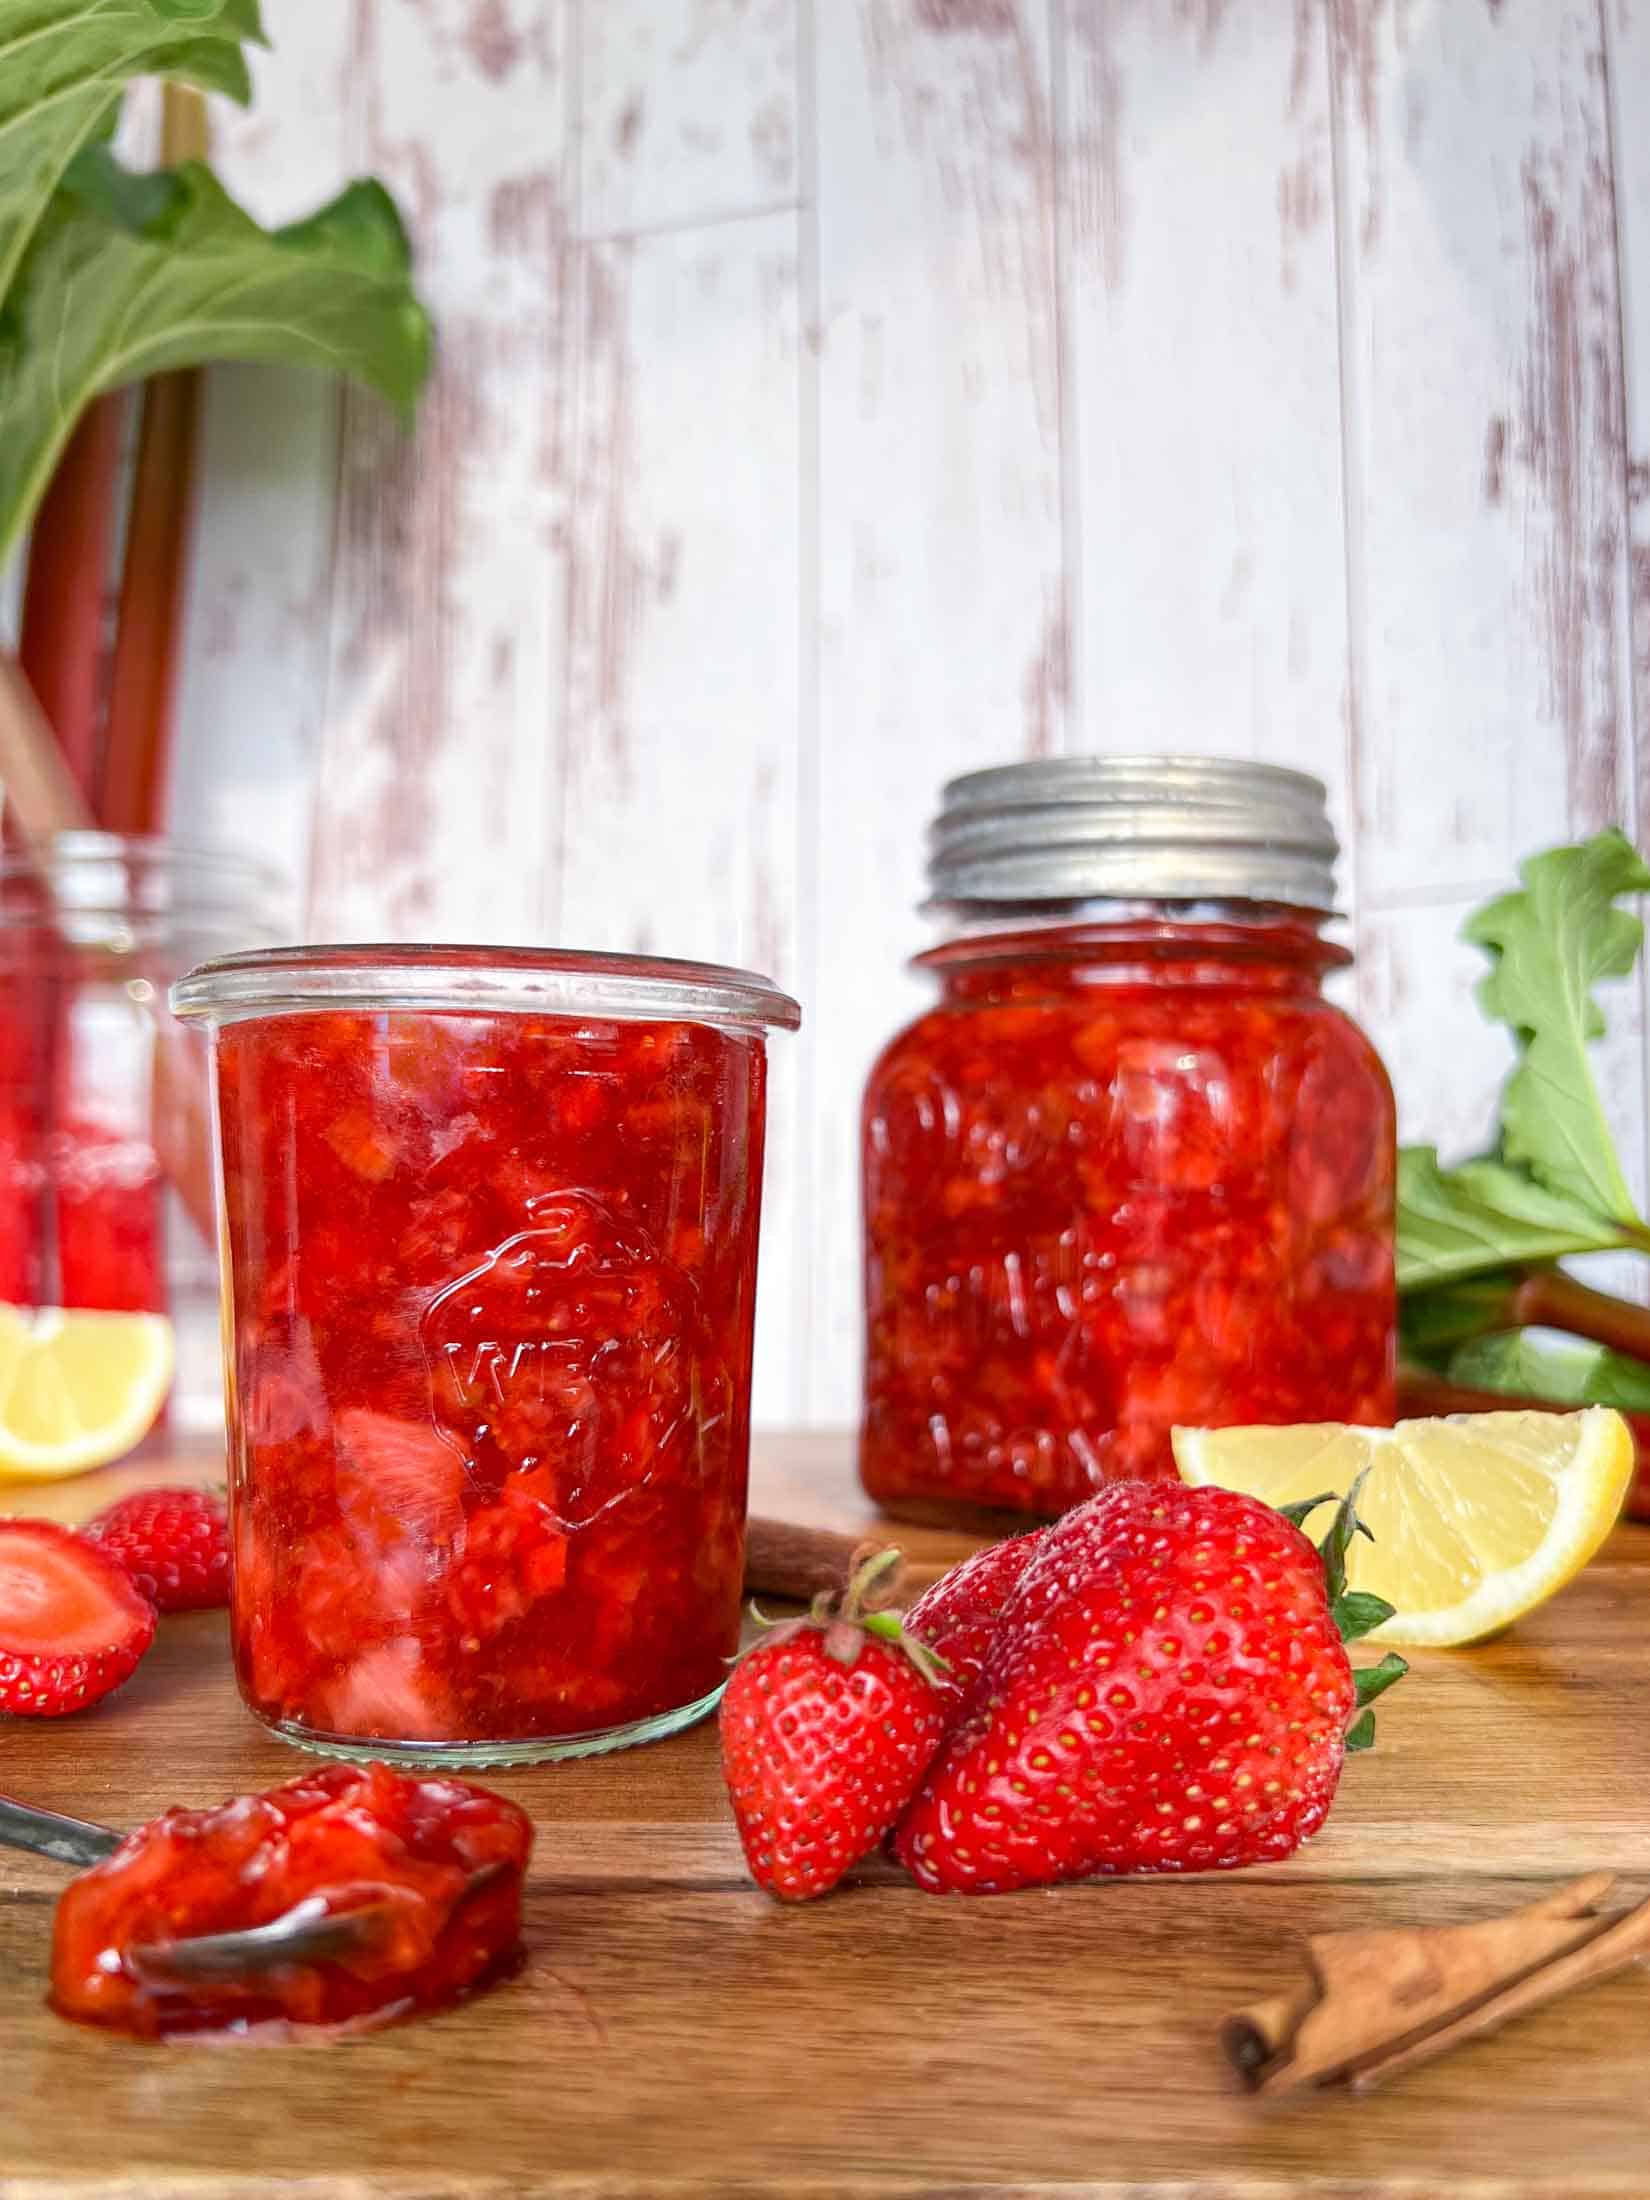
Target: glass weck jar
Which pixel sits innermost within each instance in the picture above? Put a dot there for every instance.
(105, 1143)
(1132, 1169)
(489, 1238)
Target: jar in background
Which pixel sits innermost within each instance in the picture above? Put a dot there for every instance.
(1132, 1169)
(105, 1157)
(490, 1234)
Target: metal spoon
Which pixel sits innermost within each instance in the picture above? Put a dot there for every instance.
(307, 1933)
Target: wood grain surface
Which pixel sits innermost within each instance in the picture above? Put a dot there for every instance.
(674, 2031)
(835, 397)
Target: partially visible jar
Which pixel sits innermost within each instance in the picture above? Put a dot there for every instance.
(490, 1234)
(1132, 1169)
(105, 1154)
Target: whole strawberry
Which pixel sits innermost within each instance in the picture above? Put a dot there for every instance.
(72, 1625)
(957, 1615)
(828, 1724)
(173, 1543)
(1166, 1690)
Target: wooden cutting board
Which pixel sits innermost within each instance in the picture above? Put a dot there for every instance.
(676, 2032)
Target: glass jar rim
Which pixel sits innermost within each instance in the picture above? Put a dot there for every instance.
(559, 981)
(100, 874)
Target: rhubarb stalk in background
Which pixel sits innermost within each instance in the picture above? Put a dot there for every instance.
(114, 1092)
(143, 677)
(60, 639)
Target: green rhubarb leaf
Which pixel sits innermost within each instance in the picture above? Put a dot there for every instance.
(129, 275)
(1552, 942)
(1432, 1322)
(63, 66)
(1486, 1215)
(1525, 1363)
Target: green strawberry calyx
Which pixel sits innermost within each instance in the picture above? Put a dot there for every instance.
(1355, 1611)
(845, 1618)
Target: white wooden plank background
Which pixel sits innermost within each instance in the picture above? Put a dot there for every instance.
(837, 394)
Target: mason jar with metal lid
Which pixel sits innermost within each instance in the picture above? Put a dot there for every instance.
(1131, 1169)
(489, 1235)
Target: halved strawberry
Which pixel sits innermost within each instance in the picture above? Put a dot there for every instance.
(72, 1624)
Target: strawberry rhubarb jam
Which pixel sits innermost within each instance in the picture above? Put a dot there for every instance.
(1132, 1168)
(491, 1236)
(432, 1870)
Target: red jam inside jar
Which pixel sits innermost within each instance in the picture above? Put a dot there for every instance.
(436, 1863)
(491, 1269)
(1125, 1174)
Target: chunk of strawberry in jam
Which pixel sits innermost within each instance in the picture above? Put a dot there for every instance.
(446, 1859)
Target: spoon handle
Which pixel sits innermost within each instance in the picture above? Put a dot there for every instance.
(68, 1840)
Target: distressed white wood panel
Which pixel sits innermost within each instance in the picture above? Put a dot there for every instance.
(253, 648)
(688, 111)
(679, 767)
(1481, 360)
(1204, 385)
(1627, 55)
(252, 682)
(1417, 977)
(1488, 544)
(436, 783)
(943, 630)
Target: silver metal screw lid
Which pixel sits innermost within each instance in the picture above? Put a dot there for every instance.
(1137, 828)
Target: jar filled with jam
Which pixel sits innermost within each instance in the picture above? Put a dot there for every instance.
(1131, 1169)
(489, 1230)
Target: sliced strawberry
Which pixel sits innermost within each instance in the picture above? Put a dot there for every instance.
(173, 1543)
(72, 1623)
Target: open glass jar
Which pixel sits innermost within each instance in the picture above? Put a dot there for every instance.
(1132, 1169)
(105, 1147)
(489, 1223)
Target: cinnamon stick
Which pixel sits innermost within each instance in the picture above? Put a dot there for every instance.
(1378, 2002)
(1625, 1940)
(784, 1559)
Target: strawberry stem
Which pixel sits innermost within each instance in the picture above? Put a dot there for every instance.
(868, 1582)
(846, 1620)
(1356, 1612)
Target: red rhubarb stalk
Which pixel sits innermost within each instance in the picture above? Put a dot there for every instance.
(1546, 1298)
(60, 641)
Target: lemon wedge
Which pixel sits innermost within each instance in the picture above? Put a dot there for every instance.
(1476, 1519)
(77, 1388)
